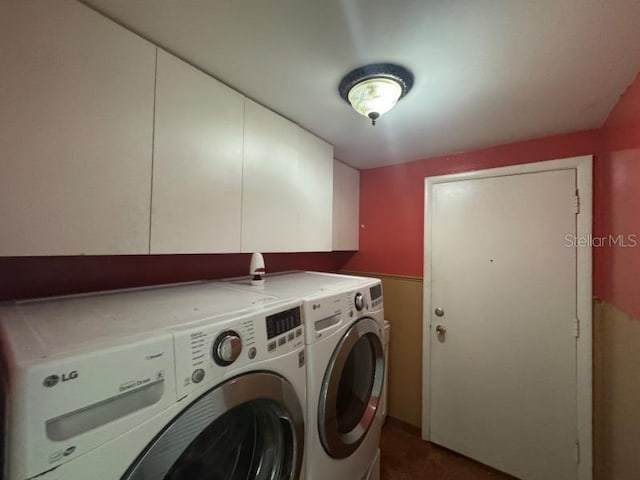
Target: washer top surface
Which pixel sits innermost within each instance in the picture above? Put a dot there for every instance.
(40, 328)
(302, 284)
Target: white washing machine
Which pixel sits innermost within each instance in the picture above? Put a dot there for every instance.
(344, 321)
(170, 383)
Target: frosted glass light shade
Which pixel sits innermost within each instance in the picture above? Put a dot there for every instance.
(374, 89)
(374, 96)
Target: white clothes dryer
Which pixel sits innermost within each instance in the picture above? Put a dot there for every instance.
(172, 382)
(344, 319)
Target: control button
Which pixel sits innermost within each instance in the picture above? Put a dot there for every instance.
(271, 346)
(291, 336)
(252, 353)
(282, 341)
(359, 301)
(298, 332)
(197, 375)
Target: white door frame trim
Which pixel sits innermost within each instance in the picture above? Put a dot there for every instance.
(584, 168)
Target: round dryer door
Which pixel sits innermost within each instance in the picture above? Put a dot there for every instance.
(250, 427)
(351, 389)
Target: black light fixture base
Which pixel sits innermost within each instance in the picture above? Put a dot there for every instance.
(376, 70)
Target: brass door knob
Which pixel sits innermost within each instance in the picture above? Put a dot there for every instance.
(440, 330)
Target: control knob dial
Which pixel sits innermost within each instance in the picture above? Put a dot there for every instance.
(359, 301)
(226, 348)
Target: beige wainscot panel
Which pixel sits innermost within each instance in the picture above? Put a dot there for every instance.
(617, 394)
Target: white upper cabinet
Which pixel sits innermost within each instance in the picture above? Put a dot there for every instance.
(111, 146)
(315, 198)
(197, 163)
(346, 201)
(76, 117)
(287, 185)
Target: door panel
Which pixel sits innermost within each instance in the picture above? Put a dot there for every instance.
(351, 389)
(287, 185)
(249, 428)
(197, 162)
(503, 375)
(76, 124)
(346, 213)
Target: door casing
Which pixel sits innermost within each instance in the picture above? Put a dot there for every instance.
(584, 169)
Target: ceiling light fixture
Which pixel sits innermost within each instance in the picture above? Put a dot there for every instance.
(374, 89)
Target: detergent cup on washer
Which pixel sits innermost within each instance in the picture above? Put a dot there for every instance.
(257, 270)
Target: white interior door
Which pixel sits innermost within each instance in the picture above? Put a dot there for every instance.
(503, 369)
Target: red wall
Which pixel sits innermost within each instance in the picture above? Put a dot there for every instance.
(617, 204)
(392, 198)
(25, 277)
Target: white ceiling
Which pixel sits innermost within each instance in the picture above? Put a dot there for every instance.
(487, 71)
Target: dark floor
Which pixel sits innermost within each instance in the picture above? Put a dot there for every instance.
(405, 456)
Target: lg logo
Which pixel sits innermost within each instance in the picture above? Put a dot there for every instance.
(53, 380)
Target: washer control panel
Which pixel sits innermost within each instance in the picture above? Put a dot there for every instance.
(213, 349)
(375, 292)
(366, 298)
(283, 327)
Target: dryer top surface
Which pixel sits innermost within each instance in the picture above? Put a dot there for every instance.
(303, 284)
(52, 326)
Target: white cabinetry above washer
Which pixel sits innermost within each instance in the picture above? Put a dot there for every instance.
(112, 146)
(315, 198)
(76, 121)
(287, 196)
(197, 163)
(346, 212)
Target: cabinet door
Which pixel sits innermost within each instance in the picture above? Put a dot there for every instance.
(346, 211)
(271, 187)
(76, 117)
(315, 204)
(197, 163)
(287, 186)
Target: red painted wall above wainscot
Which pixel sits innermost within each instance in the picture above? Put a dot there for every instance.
(29, 277)
(617, 205)
(392, 197)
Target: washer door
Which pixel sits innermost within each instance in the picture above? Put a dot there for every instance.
(351, 389)
(250, 427)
